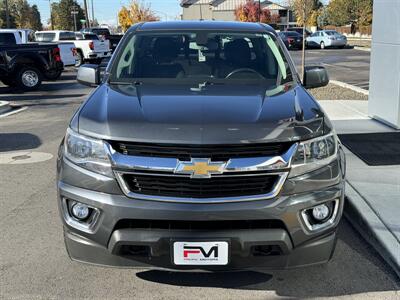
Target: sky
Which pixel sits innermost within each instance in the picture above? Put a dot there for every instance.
(105, 11)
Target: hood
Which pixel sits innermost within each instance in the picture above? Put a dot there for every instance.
(215, 114)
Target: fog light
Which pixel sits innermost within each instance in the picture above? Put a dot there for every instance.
(321, 212)
(80, 211)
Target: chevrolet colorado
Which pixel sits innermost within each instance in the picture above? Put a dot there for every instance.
(201, 149)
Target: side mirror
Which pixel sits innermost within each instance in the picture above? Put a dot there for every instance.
(315, 76)
(89, 75)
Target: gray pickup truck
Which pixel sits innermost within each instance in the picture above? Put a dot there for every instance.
(201, 149)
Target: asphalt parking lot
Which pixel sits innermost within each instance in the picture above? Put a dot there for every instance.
(347, 65)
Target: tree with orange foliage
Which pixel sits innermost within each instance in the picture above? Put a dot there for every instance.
(250, 12)
(137, 11)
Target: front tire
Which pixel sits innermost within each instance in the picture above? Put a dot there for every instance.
(28, 78)
(322, 45)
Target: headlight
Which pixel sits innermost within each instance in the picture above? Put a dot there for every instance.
(88, 153)
(314, 154)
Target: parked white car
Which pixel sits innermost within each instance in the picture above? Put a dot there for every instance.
(27, 36)
(86, 50)
(326, 38)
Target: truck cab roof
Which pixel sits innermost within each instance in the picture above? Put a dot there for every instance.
(205, 25)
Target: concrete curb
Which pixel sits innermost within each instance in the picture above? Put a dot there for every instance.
(351, 87)
(371, 227)
(4, 107)
(366, 49)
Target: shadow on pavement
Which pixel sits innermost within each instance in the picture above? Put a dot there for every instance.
(39, 97)
(229, 280)
(18, 141)
(330, 280)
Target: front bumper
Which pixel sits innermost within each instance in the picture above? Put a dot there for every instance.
(313, 252)
(102, 243)
(96, 55)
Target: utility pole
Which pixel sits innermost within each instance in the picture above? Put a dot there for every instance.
(92, 14)
(259, 11)
(86, 14)
(7, 15)
(201, 12)
(74, 12)
(51, 16)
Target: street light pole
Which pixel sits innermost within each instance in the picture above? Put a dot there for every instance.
(51, 16)
(92, 14)
(7, 15)
(74, 12)
(86, 14)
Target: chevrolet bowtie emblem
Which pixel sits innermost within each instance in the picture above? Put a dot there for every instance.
(200, 167)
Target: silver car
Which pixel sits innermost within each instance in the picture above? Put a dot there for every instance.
(326, 38)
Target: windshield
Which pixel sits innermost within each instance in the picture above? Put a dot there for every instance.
(101, 31)
(7, 38)
(293, 33)
(332, 33)
(90, 37)
(200, 56)
(45, 37)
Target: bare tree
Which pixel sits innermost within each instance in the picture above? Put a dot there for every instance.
(303, 10)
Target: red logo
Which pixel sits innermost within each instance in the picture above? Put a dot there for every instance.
(187, 250)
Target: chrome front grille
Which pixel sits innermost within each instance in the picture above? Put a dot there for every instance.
(183, 186)
(242, 179)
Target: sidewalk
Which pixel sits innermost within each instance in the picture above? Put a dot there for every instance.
(372, 192)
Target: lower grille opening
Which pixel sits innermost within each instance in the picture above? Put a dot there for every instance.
(134, 250)
(266, 250)
(199, 225)
(179, 186)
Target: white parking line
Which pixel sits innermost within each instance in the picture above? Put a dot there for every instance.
(350, 86)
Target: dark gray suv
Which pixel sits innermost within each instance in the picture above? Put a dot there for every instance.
(201, 149)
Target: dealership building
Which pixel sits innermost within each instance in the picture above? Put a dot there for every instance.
(224, 10)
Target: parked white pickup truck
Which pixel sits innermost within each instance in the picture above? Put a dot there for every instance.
(87, 50)
(27, 36)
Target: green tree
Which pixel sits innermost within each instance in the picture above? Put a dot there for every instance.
(3, 22)
(353, 12)
(21, 11)
(306, 9)
(63, 19)
(22, 15)
(35, 20)
(322, 19)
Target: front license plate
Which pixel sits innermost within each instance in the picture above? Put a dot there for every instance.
(201, 253)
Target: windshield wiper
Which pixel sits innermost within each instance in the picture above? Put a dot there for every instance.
(136, 82)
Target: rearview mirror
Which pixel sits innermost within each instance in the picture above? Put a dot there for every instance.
(89, 75)
(315, 76)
